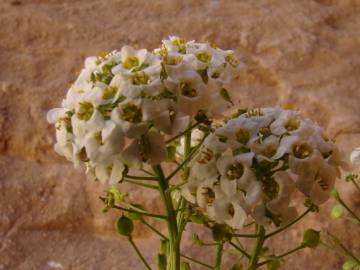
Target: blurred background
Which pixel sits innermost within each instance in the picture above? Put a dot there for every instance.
(300, 54)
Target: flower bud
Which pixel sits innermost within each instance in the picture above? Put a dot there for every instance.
(124, 226)
(336, 211)
(221, 232)
(311, 238)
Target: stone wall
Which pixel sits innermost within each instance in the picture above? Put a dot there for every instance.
(300, 53)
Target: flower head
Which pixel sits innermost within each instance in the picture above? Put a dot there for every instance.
(256, 161)
(123, 104)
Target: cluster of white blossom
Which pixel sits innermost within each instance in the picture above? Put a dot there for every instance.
(123, 104)
(251, 166)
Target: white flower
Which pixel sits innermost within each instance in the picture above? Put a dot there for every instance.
(355, 158)
(166, 116)
(230, 210)
(258, 159)
(149, 148)
(124, 103)
(280, 202)
(129, 116)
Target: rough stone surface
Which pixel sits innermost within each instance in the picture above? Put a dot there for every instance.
(303, 54)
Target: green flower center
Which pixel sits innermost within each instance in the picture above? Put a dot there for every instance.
(187, 90)
(242, 136)
(109, 92)
(270, 186)
(302, 150)
(234, 171)
(181, 44)
(292, 124)
(130, 62)
(172, 61)
(140, 78)
(204, 57)
(269, 151)
(131, 113)
(86, 111)
(231, 60)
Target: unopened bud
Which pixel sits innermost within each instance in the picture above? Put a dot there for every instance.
(221, 232)
(124, 226)
(311, 238)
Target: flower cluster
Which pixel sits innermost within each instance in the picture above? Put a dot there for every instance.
(122, 104)
(252, 165)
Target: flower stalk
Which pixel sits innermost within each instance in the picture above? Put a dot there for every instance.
(174, 251)
(260, 230)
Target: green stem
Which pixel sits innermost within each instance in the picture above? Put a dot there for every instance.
(338, 198)
(144, 213)
(186, 160)
(140, 184)
(186, 171)
(153, 229)
(196, 261)
(183, 133)
(147, 172)
(283, 255)
(245, 235)
(355, 184)
(218, 256)
(288, 225)
(242, 251)
(347, 253)
(135, 177)
(260, 230)
(174, 260)
(139, 254)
